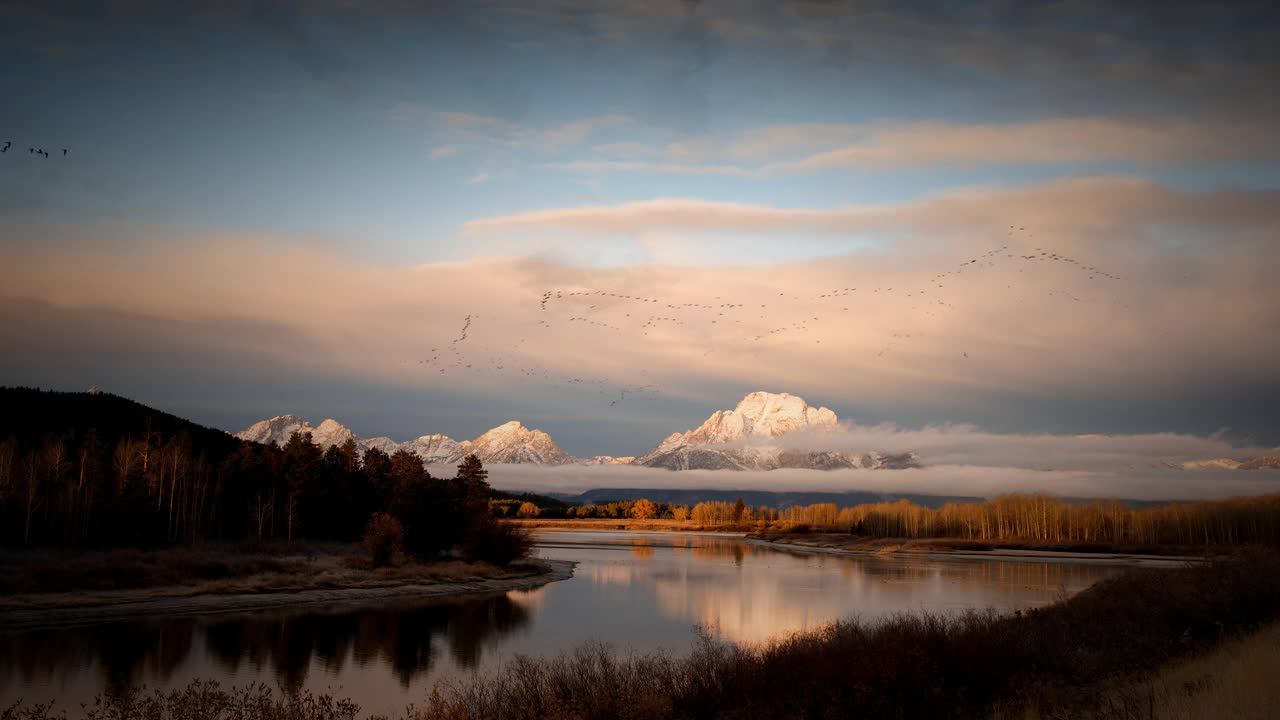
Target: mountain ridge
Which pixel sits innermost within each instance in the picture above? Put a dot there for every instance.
(764, 431)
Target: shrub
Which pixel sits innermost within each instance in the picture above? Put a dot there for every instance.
(497, 543)
(383, 539)
(528, 510)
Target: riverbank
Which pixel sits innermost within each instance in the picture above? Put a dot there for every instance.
(73, 588)
(842, 543)
(623, 524)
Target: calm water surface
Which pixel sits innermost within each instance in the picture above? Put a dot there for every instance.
(642, 591)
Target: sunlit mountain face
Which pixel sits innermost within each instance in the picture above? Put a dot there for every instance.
(1002, 237)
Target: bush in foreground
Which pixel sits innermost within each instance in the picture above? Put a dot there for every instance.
(383, 539)
(498, 543)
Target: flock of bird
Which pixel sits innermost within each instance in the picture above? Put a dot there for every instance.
(718, 320)
(39, 151)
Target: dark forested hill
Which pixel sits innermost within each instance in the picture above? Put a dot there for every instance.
(97, 469)
(29, 414)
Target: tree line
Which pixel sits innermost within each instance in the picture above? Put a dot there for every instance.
(111, 475)
(1027, 517)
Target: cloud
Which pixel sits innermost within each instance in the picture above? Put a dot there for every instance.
(1189, 55)
(457, 127)
(604, 166)
(577, 131)
(1148, 484)
(808, 148)
(969, 445)
(1076, 204)
(443, 151)
(942, 319)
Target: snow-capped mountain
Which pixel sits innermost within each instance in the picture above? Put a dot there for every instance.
(607, 460)
(436, 448)
(277, 430)
(507, 443)
(749, 437)
(1212, 464)
(514, 443)
(1262, 462)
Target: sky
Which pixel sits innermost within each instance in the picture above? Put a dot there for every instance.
(1029, 218)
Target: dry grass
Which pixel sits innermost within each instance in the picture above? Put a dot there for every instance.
(68, 578)
(1235, 681)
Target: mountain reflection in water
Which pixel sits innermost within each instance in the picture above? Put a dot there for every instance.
(640, 591)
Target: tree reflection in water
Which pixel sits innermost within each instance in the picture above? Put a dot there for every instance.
(406, 637)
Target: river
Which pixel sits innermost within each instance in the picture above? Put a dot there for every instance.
(638, 591)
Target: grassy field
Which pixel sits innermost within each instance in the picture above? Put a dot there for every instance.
(1173, 643)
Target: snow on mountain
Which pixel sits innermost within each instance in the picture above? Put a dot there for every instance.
(507, 443)
(1262, 462)
(276, 431)
(514, 443)
(606, 460)
(749, 438)
(331, 432)
(437, 449)
(382, 442)
(1212, 464)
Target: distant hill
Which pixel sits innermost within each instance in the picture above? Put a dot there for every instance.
(783, 500)
(30, 414)
(754, 498)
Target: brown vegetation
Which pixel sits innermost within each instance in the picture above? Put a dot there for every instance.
(1008, 521)
(383, 539)
(1047, 662)
(1234, 681)
(1237, 521)
(96, 577)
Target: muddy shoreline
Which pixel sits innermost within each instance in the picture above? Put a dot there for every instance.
(1136, 560)
(91, 608)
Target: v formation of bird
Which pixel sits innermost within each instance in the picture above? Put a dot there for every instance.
(635, 315)
(32, 151)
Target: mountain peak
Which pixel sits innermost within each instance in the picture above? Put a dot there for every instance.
(749, 437)
(510, 442)
(774, 414)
